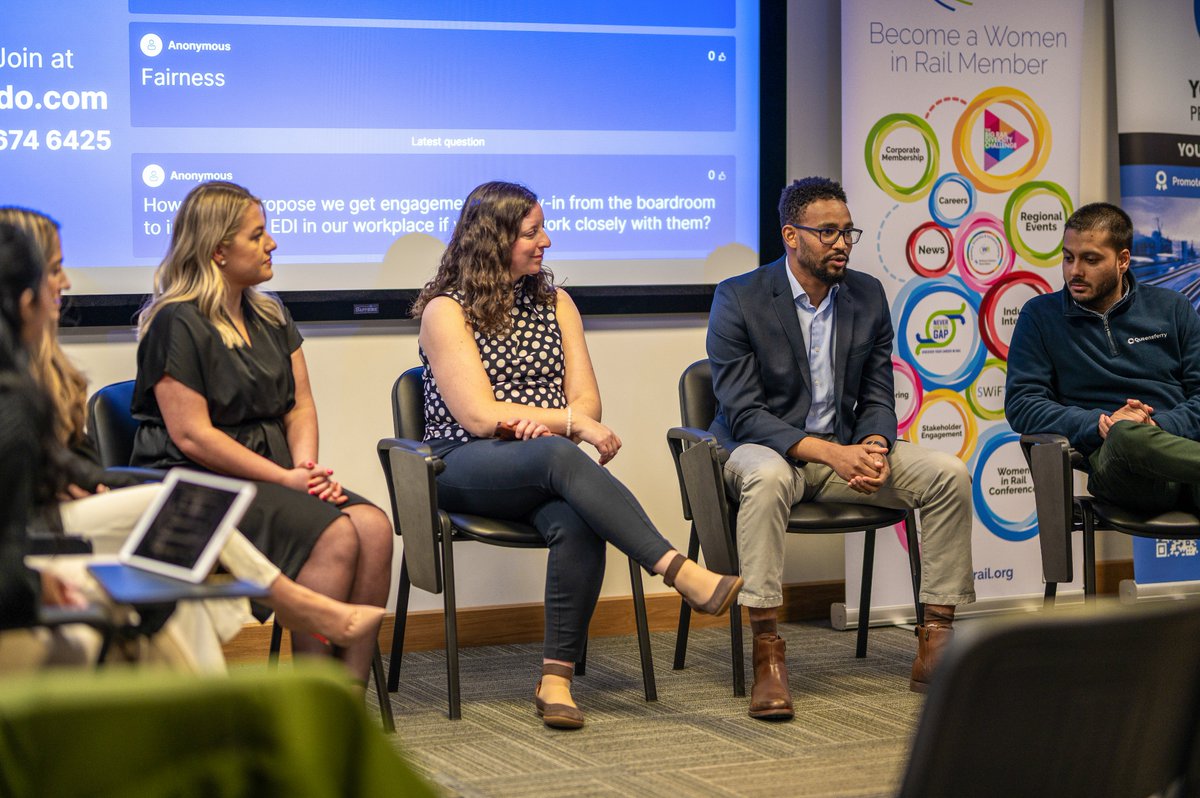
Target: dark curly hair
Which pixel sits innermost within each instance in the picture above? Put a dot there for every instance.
(477, 260)
(802, 193)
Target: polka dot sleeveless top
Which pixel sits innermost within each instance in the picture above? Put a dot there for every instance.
(525, 367)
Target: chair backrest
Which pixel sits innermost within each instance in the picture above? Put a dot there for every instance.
(697, 402)
(1103, 703)
(112, 424)
(408, 404)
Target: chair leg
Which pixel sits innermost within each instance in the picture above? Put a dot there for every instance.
(1051, 590)
(385, 698)
(581, 663)
(449, 605)
(736, 646)
(685, 610)
(1089, 558)
(643, 630)
(914, 561)
(402, 590)
(864, 600)
(276, 644)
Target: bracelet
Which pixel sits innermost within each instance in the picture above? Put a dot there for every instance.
(568, 421)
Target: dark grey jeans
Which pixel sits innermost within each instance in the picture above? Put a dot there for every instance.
(576, 505)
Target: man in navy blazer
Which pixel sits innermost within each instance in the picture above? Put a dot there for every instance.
(801, 359)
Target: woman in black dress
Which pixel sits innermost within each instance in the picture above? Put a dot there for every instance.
(222, 385)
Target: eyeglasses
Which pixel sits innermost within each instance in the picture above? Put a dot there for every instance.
(829, 235)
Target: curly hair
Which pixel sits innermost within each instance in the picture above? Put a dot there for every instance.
(210, 215)
(802, 193)
(477, 259)
(65, 384)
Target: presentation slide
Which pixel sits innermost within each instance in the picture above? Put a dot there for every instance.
(637, 124)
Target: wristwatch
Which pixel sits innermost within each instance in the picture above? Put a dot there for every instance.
(880, 444)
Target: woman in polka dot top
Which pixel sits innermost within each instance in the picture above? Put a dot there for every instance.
(509, 395)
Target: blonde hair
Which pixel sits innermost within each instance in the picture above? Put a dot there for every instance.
(60, 379)
(210, 216)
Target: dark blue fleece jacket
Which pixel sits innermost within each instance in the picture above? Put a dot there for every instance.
(1068, 364)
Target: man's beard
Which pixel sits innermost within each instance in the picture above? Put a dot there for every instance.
(823, 273)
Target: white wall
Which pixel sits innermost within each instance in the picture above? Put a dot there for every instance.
(637, 359)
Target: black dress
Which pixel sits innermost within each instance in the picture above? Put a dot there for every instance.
(249, 391)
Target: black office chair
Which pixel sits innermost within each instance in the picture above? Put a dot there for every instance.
(699, 464)
(113, 427)
(429, 533)
(1059, 512)
(52, 544)
(1087, 704)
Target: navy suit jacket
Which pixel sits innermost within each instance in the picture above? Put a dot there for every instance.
(760, 364)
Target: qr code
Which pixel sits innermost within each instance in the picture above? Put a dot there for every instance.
(1175, 548)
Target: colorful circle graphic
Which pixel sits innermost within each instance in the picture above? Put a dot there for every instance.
(1012, 210)
(986, 495)
(946, 328)
(989, 322)
(964, 157)
(918, 241)
(874, 155)
(908, 391)
(964, 430)
(937, 199)
(985, 389)
(982, 253)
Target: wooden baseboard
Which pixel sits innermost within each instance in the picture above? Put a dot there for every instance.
(1109, 574)
(522, 623)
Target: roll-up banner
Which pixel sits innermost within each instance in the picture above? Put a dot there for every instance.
(1158, 118)
(960, 131)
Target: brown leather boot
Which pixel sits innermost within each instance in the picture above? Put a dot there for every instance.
(770, 698)
(931, 643)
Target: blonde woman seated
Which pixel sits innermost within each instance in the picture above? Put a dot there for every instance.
(194, 633)
(222, 385)
(509, 393)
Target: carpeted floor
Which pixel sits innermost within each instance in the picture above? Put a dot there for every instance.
(850, 736)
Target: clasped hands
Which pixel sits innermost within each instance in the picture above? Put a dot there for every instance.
(864, 466)
(316, 480)
(584, 429)
(1133, 410)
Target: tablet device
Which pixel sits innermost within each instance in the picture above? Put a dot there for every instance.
(181, 534)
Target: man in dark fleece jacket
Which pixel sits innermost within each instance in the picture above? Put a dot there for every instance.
(1115, 367)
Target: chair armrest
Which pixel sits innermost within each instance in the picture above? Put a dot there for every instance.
(51, 543)
(702, 484)
(690, 435)
(410, 469)
(1050, 457)
(94, 616)
(124, 476)
(679, 439)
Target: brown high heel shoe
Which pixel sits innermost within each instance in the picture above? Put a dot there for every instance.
(716, 604)
(557, 716)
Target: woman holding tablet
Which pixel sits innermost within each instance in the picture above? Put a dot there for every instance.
(509, 393)
(89, 509)
(222, 386)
